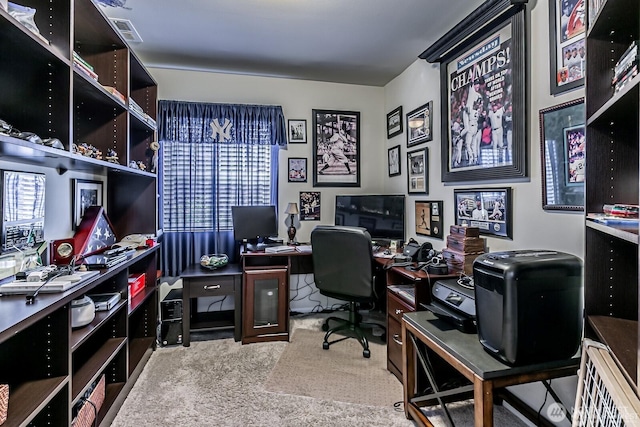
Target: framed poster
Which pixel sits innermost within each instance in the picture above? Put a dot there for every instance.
(85, 193)
(484, 117)
(309, 206)
(393, 159)
(418, 171)
(394, 123)
(297, 130)
(567, 25)
(297, 169)
(336, 148)
(428, 215)
(562, 150)
(489, 209)
(419, 125)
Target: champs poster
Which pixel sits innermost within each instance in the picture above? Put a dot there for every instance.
(480, 104)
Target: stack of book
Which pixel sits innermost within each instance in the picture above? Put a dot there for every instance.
(84, 67)
(113, 91)
(464, 245)
(626, 68)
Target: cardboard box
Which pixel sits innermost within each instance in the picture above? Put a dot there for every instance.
(136, 284)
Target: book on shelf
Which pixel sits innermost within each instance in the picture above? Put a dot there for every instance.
(82, 61)
(626, 79)
(87, 72)
(613, 220)
(113, 91)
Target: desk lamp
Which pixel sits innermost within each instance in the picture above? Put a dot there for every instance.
(292, 209)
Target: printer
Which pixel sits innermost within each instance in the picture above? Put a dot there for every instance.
(454, 301)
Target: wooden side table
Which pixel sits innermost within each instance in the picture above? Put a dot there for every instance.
(198, 281)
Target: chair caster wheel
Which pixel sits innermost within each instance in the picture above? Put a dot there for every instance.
(325, 327)
(325, 345)
(366, 354)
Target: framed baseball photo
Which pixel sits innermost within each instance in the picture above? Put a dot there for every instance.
(336, 148)
(419, 125)
(309, 206)
(393, 158)
(489, 209)
(394, 123)
(428, 216)
(297, 169)
(418, 171)
(297, 130)
(567, 29)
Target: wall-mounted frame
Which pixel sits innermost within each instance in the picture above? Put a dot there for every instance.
(489, 209)
(485, 81)
(297, 169)
(562, 152)
(420, 125)
(394, 123)
(309, 206)
(567, 49)
(418, 171)
(85, 193)
(22, 210)
(428, 216)
(336, 148)
(393, 160)
(297, 130)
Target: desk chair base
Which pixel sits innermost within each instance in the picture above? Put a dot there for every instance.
(355, 324)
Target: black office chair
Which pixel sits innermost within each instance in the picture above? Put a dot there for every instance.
(343, 269)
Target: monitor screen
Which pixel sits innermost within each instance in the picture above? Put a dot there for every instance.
(22, 210)
(382, 215)
(254, 223)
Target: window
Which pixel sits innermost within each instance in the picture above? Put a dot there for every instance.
(202, 181)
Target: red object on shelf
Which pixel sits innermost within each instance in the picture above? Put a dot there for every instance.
(136, 284)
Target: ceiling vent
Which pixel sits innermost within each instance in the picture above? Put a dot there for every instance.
(125, 27)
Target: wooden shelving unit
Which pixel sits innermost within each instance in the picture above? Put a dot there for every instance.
(612, 176)
(43, 92)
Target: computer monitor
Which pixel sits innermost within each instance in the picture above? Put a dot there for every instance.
(382, 215)
(254, 225)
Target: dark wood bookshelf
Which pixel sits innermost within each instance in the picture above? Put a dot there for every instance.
(93, 368)
(138, 347)
(24, 399)
(78, 336)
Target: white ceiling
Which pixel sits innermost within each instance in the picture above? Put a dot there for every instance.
(366, 42)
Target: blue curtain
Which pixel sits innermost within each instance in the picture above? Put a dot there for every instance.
(201, 144)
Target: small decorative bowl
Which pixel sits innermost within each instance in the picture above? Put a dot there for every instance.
(213, 261)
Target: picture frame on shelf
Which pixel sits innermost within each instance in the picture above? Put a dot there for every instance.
(485, 76)
(336, 148)
(428, 218)
(394, 122)
(489, 209)
(418, 171)
(567, 44)
(393, 160)
(85, 193)
(309, 206)
(562, 151)
(420, 125)
(297, 169)
(297, 130)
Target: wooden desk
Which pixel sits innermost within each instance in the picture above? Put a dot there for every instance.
(465, 354)
(198, 281)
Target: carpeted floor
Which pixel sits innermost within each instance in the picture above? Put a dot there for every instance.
(223, 383)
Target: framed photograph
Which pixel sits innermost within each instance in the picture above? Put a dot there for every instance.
(489, 209)
(418, 171)
(394, 123)
(429, 218)
(562, 150)
(336, 148)
(85, 193)
(297, 169)
(419, 125)
(483, 117)
(393, 158)
(309, 206)
(297, 130)
(567, 25)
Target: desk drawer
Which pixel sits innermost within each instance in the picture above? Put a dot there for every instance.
(212, 286)
(396, 307)
(394, 343)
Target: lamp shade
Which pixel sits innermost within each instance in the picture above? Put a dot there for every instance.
(292, 209)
